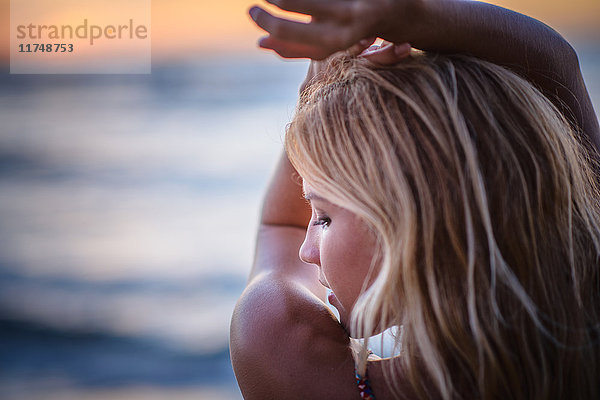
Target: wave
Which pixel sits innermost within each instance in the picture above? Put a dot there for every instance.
(91, 359)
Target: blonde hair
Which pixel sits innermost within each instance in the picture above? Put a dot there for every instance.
(487, 216)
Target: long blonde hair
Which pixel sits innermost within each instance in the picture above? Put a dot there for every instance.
(486, 209)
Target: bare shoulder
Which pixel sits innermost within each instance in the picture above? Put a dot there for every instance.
(285, 343)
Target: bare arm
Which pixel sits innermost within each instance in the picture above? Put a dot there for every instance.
(284, 218)
(513, 40)
(284, 341)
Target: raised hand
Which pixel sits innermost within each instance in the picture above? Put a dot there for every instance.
(335, 25)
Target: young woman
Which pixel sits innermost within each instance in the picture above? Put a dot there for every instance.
(454, 198)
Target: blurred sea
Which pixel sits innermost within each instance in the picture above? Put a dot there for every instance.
(128, 206)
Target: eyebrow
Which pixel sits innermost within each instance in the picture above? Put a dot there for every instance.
(311, 196)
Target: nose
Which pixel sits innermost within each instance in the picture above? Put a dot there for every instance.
(309, 251)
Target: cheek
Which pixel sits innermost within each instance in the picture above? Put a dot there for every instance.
(332, 262)
(346, 262)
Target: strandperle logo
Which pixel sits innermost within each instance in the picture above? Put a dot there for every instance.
(84, 31)
(80, 37)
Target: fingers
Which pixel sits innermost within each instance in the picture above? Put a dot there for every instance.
(299, 50)
(315, 8)
(292, 49)
(360, 46)
(322, 38)
(388, 54)
(291, 31)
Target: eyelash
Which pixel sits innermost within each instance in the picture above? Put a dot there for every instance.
(323, 221)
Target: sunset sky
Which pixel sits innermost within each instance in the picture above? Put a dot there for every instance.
(192, 27)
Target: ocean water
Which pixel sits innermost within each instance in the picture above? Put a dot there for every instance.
(128, 206)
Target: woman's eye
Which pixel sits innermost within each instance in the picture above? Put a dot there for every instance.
(323, 221)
